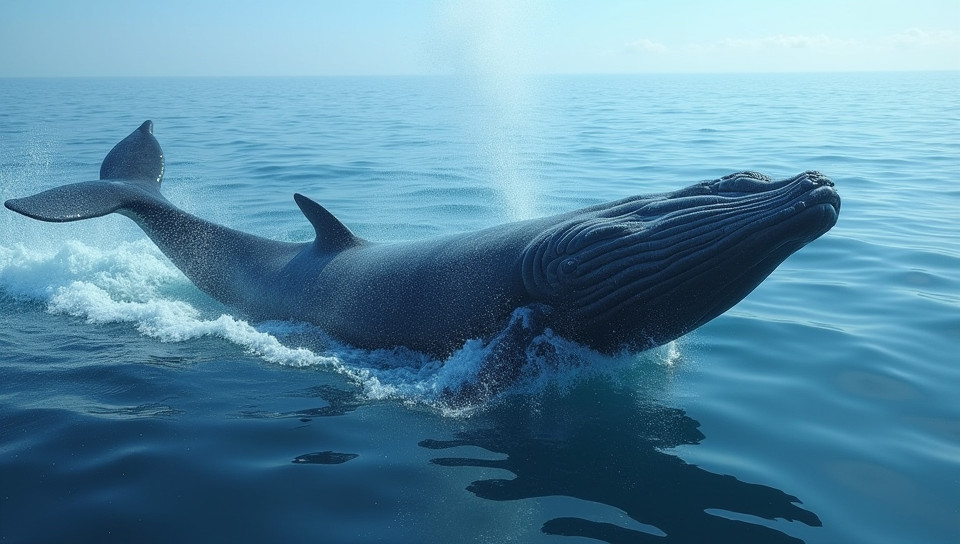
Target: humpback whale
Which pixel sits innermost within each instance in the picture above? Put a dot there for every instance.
(625, 275)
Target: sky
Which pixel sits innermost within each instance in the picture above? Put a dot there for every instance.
(96, 38)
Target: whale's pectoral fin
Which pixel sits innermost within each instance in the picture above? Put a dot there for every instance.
(505, 358)
(332, 235)
(133, 169)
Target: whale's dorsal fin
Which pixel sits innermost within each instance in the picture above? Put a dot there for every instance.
(332, 235)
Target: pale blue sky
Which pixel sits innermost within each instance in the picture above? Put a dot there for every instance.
(369, 37)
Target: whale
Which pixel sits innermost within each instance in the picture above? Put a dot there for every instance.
(625, 275)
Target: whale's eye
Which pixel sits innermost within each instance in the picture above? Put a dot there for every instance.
(569, 266)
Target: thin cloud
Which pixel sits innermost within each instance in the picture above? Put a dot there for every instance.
(644, 45)
(925, 38)
(911, 49)
(779, 41)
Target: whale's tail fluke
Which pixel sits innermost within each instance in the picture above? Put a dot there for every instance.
(132, 170)
(223, 262)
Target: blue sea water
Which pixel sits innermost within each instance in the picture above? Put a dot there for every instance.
(822, 408)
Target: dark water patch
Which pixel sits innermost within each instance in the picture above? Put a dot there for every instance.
(337, 403)
(324, 458)
(143, 410)
(169, 361)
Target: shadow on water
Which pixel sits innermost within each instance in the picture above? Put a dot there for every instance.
(607, 445)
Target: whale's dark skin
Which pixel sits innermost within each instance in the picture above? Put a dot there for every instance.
(625, 275)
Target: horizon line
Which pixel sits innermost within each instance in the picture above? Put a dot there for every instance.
(509, 74)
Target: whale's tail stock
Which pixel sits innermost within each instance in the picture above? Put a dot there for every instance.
(132, 171)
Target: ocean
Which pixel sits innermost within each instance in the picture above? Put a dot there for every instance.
(823, 408)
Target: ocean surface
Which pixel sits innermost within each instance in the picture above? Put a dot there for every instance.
(823, 408)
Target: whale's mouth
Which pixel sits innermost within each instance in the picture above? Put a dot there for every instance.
(823, 203)
(809, 215)
(774, 238)
(671, 262)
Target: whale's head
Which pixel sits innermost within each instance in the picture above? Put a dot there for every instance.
(643, 271)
